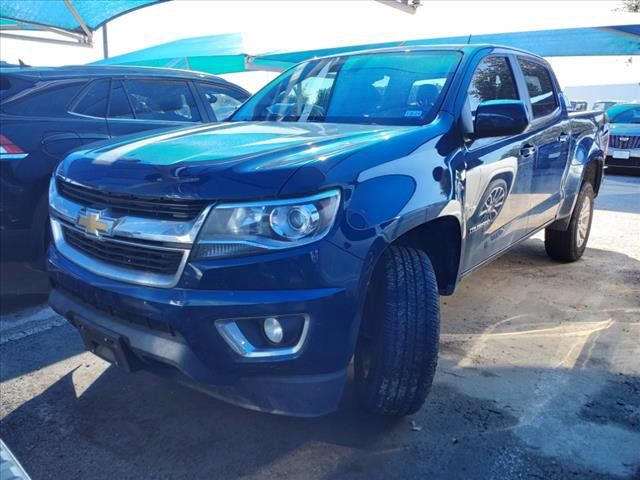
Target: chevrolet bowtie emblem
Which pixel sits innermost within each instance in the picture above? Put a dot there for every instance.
(94, 223)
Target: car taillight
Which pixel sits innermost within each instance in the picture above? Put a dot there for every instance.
(7, 147)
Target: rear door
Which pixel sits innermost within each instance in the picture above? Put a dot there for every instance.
(551, 130)
(138, 104)
(90, 110)
(37, 124)
(41, 120)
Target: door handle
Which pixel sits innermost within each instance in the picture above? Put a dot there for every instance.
(527, 151)
(563, 138)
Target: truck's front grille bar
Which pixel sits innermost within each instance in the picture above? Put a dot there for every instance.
(125, 254)
(631, 141)
(135, 205)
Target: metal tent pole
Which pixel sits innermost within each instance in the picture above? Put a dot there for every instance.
(105, 42)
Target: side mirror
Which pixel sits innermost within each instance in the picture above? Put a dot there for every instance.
(499, 118)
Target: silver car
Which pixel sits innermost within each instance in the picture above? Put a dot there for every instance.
(624, 137)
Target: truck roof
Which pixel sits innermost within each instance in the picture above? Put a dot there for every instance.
(465, 48)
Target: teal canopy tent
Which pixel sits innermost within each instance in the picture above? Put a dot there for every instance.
(212, 54)
(73, 20)
(225, 54)
(613, 40)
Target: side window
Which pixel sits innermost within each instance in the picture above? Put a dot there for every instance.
(539, 86)
(119, 104)
(222, 104)
(168, 100)
(94, 101)
(492, 80)
(46, 100)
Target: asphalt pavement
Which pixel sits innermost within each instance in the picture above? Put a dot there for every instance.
(539, 378)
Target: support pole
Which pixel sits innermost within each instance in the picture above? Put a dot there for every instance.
(105, 42)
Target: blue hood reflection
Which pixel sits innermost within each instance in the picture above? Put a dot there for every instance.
(229, 160)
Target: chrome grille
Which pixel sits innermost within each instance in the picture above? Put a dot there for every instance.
(125, 254)
(164, 208)
(631, 142)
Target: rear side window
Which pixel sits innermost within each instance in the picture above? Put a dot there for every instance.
(48, 99)
(94, 102)
(222, 103)
(492, 80)
(167, 100)
(119, 106)
(540, 87)
(10, 86)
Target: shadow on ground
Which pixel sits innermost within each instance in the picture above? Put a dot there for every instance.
(620, 193)
(485, 418)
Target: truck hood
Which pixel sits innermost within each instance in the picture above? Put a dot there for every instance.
(236, 160)
(625, 129)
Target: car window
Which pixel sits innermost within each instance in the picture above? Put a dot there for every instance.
(47, 99)
(492, 80)
(391, 88)
(601, 106)
(119, 106)
(540, 87)
(222, 104)
(10, 86)
(169, 100)
(94, 101)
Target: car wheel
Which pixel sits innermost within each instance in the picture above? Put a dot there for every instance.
(570, 244)
(397, 351)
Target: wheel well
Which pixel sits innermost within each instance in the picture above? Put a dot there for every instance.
(593, 174)
(440, 239)
(507, 177)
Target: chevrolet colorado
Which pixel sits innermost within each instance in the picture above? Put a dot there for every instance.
(254, 259)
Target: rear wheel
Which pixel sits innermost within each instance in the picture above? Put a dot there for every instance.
(570, 244)
(397, 352)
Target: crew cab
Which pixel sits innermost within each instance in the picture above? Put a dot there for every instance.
(47, 112)
(255, 259)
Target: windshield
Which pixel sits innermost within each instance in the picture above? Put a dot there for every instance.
(394, 88)
(624, 114)
(601, 106)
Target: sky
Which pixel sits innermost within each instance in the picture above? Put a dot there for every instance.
(304, 24)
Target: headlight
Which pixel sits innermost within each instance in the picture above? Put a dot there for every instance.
(234, 229)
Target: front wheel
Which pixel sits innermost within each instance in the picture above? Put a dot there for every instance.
(570, 244)
(397, 352)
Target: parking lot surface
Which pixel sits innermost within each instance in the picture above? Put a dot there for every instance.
(539, 377)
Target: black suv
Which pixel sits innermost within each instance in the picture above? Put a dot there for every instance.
(47, 112)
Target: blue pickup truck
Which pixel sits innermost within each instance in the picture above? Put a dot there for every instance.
(254, 259)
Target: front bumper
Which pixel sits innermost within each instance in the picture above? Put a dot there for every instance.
(613, 160)
(171, 332)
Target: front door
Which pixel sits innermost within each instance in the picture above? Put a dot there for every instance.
(497, 194)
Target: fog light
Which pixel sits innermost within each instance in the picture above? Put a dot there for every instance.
(273, 330)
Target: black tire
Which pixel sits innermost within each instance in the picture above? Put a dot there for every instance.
(397, 352)
(569, 245)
